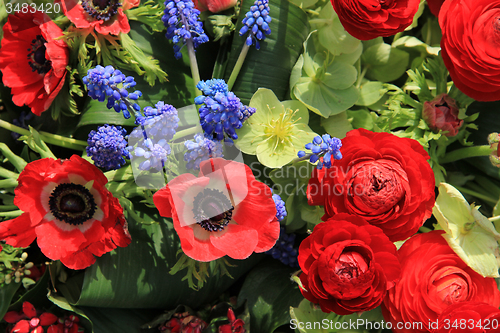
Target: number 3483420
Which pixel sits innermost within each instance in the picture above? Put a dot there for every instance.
(48, 8)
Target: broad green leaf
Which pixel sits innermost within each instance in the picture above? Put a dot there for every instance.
(323, 100)
(118, 320)
(270, 66)
(385, 63)
(7, 292)
(360, 118)
(269, 293)
(307, 318)
(371, 92)
(337, 125)
(331, 33)
(138, 276)
(304, 3)
(470, 234)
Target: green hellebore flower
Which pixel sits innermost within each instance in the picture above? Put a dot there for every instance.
(276, 131)
(469, 233)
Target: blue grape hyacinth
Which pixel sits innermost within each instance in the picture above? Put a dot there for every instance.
(110, 83)
(107, 147)
(221, 111)
(284, 250)
(280, 207)
(181, 19)
(160, 122)
(325, 146)
(201, 149)
(256, 23)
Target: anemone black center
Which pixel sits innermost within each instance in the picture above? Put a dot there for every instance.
(36, 56)
(72, 203)
(212, 210)
(101, 9)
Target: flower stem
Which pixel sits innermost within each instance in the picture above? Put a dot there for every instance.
(54, 139)
(8, 174)
(186, 132)
(476, 194)
(237, 66)
(9, 182)
(361, 76)
(14, 213)
(195, 73)
(467, 152)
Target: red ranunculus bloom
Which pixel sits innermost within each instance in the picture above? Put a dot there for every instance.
(33, 63)
(68, 210)
(470, 46)
(223, 211)
(106, 16)
(442, 114)
(472, 317)
(435, 6)
(433, 278)
(28, 321)
(366, 19)
(214, 6)
(347, 265)
(382, 178)
(234, 326)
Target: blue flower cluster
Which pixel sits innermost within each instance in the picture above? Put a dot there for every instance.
(107, 147)
(221, 111)
(325, 146)
(181, 20)
(150, 140)
(256, 22)
(284, 249)
(201, 149)
(110, 83)
(280, 207)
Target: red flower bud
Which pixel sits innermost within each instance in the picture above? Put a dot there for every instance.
(442, 114)
(215, 6)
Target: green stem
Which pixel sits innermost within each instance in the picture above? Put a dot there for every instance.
(8, 208)
(9, 182)
(484, 150)
(237, 66)
(195, 73)
(121, 174)
(494, 218)
(424, 229)
(8, 174)
(186, 132)
(361, 76)
(14, 213)
(53, 139)
(320, 21)
(476, 194)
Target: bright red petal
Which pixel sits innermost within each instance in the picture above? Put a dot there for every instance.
(47, 319)
(56, 243)
(238, 242)
(22, 326)
(18, 232)
(13, 317)
(29, 310)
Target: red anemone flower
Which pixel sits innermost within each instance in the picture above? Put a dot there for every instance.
(106, 16)
(27, 321)
(68, 210)
(32, 61)
(223, 211)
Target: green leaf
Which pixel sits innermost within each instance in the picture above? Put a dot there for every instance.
(385, 63)
(118, 320)
(148, 13)
(371, 92)
(269, 293)
(7, 292)
(360, 118)
(270, 66)
(337, 125)
(138, 276)
(306, 315)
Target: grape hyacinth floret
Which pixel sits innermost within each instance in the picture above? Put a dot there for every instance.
(201, 149)
(160, 122)
(106, 82)
(325, 146)
(221, 111)
(280, 207)
(154, 153)
(256, 23)
(181, 20)
(107, 147)
(284, 249)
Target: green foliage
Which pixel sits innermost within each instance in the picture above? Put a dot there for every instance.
(149, 13)
(269, 296)
(385, 63)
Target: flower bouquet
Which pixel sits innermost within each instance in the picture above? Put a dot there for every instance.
(249, 166)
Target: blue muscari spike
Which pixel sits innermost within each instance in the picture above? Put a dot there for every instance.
(110, 83)
(280, 207)
(325, 146)
(256, 23)
(221, 112)
(107, 147)
(181, 19)
(201, 149)
(285, 249)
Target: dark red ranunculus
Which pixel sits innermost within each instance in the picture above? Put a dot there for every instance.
(435, 6)
(32, 60)
(223, 211)
(433, 278)
(68, 210)
(368, 19)
(382, 178)
(347, 265)
(473, 317)
(106, 16)
(470, 46)
(442, 114)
